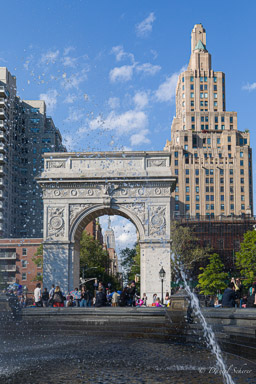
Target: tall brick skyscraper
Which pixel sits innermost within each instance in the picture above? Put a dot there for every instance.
(210, 156)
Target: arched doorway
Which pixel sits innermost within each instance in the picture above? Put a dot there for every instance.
(78, 188)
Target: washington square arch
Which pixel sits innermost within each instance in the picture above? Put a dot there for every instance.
(79, 187)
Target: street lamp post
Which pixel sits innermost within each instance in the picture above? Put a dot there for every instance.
(162, 276)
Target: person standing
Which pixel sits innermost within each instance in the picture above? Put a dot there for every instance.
(45, 298)
(100, 298)
(115, 299)
(84, 297)
(38, 296)
(58, 298)
(229, 296)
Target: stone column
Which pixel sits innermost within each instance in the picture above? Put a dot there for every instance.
(154, 256)
(57, 265)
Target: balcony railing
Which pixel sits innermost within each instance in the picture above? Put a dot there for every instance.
(8, 268)
(8, 255)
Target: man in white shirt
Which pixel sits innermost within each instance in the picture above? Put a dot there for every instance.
(37, 295)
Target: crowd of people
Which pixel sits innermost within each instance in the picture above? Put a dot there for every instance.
(233, 296)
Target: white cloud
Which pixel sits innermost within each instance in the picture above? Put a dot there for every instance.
(249, 87)
(69, 61)
(49, 57)
(75, 79)
(50, 99)
(74, 115)
(140, 138)
(140, 99)
(114, 102)
(123, 73)
(120, 54)
(124, 123)
(166, 91)
(144, 28)
(148, 69)
(70, 99)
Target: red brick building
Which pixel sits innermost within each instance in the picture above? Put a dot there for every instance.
(16, 262)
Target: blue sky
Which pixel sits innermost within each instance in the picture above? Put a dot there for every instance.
(108, 69)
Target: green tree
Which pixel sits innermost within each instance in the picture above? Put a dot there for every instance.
(38, 260)
(186, 251)
(94, 261)
(246, 258)
(131, 262)
(212, 279)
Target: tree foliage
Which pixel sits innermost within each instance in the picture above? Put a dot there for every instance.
(246, 258)
(38, 260)
(212, 279)
(94, 261)
(131, 262)
(185, 249)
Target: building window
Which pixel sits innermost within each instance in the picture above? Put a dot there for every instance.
(187, 180)
(221, 197)
(177, 189)
(197, 207)
(176, 172)
(187, 206)
(197, 180)
(231, 171)
(23, 276)
(241, 154)
(207, 207)
(192, 103)
(232, 197)
(176, 154)
(187, 197)
(176, 207)
(191, 78)
(220, 244)
(242, 197)
(215, 79)
(192, 95)
(24, 263)
(231, 180)
(215, 95)
(187, 171)
(197, 189)
(242, 206)
(232, 207)
(216, 127)
(222, 207)
(191, 87)
(242, 171)
(242, 189)
(221, 189)
(24, 251)
(206, 95)
(242, 180)
(176, 197)
(197, 197)
(176, 162)
(187, 189)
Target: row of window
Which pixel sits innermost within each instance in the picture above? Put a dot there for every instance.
(208, 207)
(202, 79)
(209, 197)
(24, 275)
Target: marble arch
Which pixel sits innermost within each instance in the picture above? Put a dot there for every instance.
(78, 187)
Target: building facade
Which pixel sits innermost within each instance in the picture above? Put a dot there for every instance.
(110, 244)
(17, 265)
(25, 134)
(210, 156)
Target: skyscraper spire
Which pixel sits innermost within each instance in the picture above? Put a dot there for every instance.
(109, 223)
(200, 59)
